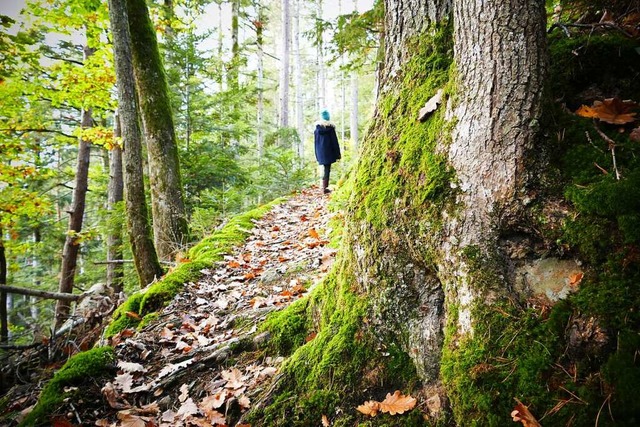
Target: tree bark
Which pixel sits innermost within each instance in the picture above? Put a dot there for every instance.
(260, 113)
(4, 328)
(169, 215)
(71, 244)
(284, 64)
(299, 88)
(115, 194)
(144, 253)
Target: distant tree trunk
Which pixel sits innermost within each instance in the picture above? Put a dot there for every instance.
(260, 114)
(299, 89)
(4, 328)
(144, 252)
(169, 215)
(284, 64)
(71, 245)
(320, 75)
(354, 111)
(35, 264)
(235, 46)
(115, 194)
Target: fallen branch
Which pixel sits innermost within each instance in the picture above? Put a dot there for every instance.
(42, 294)
(612, 147)
(125, 261)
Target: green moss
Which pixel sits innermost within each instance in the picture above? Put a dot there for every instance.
(202, 255)
(81, 369)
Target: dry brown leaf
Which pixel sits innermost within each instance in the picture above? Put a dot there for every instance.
(124, 382)
(233, 264)
(311, 336)
(216, 418)
(244, 402)
(397, 403)
(61, 422)
(325, 421)
(611, 110)
(575, 279)
(313, 233)
(109, 392)
(234, 378)
(131, 367)
(103, 422)
(214, 401)
(269, 371)
(521, 413)
(133, 315)
(167, 334)
(370, 408)
(187, 408)
(184, 393)
(131, 420)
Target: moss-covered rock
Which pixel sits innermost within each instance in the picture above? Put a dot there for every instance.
(80, 370)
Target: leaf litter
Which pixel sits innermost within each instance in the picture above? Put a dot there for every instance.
(177, 370)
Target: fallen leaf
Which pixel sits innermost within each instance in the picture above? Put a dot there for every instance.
(311, 336)
(313, 233)
(109, 392)
(611, 110)
(184, 393)
(397, 403)
(269, 371)
(187, 408)
(131, 420)
(370, 408)
(167, 334)
(233, 264)
(635, 135)
(244, 402)
(575, 279)
(214, 401)
(103, 422)
(131, 367)
(124, 382)
(430, 106)
(234, 378)
(521, 413)
(216, 418)
(325, 421)
(133, 315)
(61, 422)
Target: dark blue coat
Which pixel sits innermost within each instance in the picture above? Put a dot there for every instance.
(326, 143)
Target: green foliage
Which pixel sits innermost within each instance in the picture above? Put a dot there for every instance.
(81, 369)
(358, 35)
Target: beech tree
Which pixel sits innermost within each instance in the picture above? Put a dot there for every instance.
(144, 252)
(169, 216)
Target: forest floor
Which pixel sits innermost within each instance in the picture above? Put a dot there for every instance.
(199, 362)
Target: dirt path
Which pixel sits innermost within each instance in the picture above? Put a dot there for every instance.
(198, 363)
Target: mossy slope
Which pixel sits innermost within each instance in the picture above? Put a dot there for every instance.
(202, 255)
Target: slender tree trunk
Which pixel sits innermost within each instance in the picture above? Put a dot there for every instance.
(37, 238)
(299, 88)
(284, 64)
(169, 215)
(4, 328)
(115, 194)
(321, 74)
(235, 46)
(260, 113)
(144, 253)
(354, 111)
(71, 245)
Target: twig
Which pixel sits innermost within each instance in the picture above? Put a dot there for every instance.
(591, 142)
(603, 170)
(600, 410)
(612, 147)
(592, 26)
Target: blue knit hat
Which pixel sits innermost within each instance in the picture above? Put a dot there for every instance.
(325, 115)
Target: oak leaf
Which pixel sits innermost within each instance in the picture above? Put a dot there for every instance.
(187, 408)
(397, 403)
(370, 407)
(131, 367)
(233, 264)
(611, 110)
(521, 413)
(214, 401)
(130, 420)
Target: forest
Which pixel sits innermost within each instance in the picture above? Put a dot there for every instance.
(167, 256)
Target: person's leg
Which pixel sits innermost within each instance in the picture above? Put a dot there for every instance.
(325, 179)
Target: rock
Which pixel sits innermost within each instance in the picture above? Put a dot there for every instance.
(551, 278)
(261, 339)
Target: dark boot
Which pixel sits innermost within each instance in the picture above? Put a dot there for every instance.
(325, 185)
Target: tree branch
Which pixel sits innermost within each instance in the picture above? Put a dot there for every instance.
(41, 294)
(42, 130)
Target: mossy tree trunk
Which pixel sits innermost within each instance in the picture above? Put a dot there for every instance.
(167, 205)
(144, 252)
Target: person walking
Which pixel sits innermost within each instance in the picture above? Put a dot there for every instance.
(326, 147)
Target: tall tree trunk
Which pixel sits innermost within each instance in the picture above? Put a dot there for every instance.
(284, 64)
(260, 113)
(115, 194)
(144, 252)
(321, 101)
(4, 318)
(169, 215)
(299, 88)
(235, 45)
(71, 245)
(353, 128)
